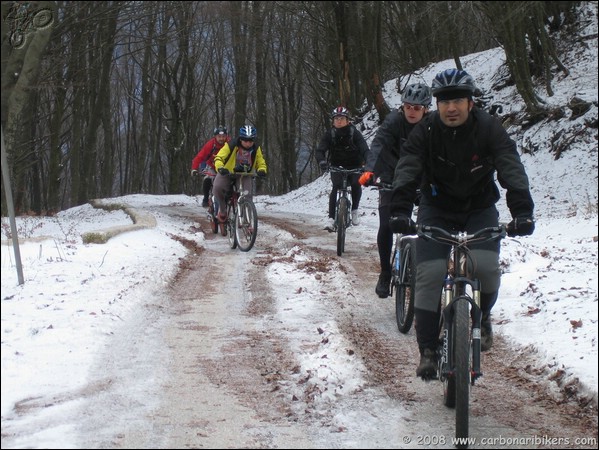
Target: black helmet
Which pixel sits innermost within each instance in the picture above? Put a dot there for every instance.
(340, 111)
(220, 130)
(417, 94)
(247, 132)
(452, 80)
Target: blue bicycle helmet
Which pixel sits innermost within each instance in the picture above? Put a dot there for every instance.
(247, 132)
(221, 129)
(454, 81)
(417, 94)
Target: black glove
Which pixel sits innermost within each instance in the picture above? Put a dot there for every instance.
(261, 173)
(242, 168)
(223, 171)
(324, 166)
(521, 226)
(194, 173)
(402, 224)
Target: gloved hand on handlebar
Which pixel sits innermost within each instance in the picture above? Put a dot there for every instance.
(244, 168)
(367, 179)
(194, 173)
(402, 224)
(223, 171)
(324, 166)
(521, 226)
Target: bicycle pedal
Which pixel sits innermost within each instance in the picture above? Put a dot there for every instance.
(330, 229)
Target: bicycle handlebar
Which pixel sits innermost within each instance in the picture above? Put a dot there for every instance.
(243, 174)
(341, 169)
(379, 184)
(443, 236)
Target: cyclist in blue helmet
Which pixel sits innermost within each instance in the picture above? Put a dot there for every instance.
(382, 159)
(204, 160)
(454, 156)
(242, 154)
(342, 145)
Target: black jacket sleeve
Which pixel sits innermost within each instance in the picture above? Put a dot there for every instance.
(322, 149)
(361, 145)
(384, 149)
(409, 169)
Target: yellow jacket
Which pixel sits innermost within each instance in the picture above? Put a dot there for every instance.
(227, 158)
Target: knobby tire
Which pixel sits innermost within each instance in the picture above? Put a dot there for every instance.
(230, 224)
(342, 213)
(446, 369)
(213, 211)
(404, 288)
(246, 224)
(461, 341)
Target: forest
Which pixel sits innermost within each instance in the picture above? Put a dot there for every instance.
(109, 98)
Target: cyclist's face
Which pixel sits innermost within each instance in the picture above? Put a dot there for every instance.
(340, 121)
(454, 113)
(221, 138)
(414, 113)
(247, 143)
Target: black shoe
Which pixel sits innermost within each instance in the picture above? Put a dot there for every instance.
(382, 287)
(486, 334)
(205, 203)
(427, 369)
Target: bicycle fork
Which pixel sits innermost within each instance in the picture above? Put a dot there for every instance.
(450, 298)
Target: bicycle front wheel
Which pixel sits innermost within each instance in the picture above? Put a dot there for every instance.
(404, 289)
(342, 214)
(461, 344)
(246, 224)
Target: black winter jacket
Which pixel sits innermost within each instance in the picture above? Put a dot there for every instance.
(457, 166)
(347, 148)
(384, 149)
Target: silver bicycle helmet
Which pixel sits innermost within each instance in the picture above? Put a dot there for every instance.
(417, 94)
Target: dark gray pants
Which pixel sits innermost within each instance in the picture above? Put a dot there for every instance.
(431, 260)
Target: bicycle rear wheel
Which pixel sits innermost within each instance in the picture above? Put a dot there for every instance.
(342, 213)
(246, 224)
(404, 288)
(230, 225)
(212, 210)
(461, 343)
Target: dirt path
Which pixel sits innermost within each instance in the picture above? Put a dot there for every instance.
(221, 369)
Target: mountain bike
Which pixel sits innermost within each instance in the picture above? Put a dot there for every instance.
(343, 206)
(241, 226)
(458, 355)
(403, 274)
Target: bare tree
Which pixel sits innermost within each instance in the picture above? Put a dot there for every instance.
(520, 27)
